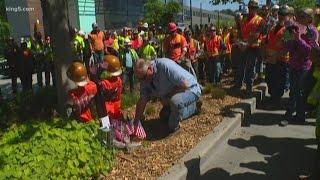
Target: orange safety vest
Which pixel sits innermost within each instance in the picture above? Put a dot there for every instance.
(213, 46)
(226, 40)
(192, 49)
(249, 28)
(274, 46)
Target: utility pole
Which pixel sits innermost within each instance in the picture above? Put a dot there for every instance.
(191, 13)
(200, 13)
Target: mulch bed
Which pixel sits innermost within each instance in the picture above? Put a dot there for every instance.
(160, 152)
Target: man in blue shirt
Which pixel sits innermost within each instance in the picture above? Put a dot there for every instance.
(177, 89)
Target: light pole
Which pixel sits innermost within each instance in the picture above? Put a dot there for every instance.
(191, 13)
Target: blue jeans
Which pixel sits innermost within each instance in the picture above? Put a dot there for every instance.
(181, 106)
(214, 70)
(98, 57)
(246, 67)
(297, 95)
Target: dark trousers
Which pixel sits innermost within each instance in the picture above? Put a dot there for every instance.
(14, 77)
(201, 69)
(226, 62)
(276, 78)
(297, 95)
(26, 81)
(49, 73)
(128, 76)
(316, 170)
(246, 67)
(39, 69)
(214, 70)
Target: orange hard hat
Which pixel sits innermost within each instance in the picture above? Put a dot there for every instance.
(172, 27)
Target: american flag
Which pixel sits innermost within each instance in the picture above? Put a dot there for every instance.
(139, 131)
(130, 127)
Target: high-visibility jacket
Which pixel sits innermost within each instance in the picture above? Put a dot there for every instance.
(213, 46)
(274, 48)
(193, 47)
(77, 45)
(227, 42)
(249, 29)
(148, 52)
(174, 46)
(29, 44)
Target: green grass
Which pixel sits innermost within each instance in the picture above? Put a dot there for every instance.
(129, 100)
(34, 145)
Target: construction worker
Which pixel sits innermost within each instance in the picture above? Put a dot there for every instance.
(226, 54)
(136, 41)
(128, 57)
(48, 62)
(160, 38)
(147, 50)
(175, 45)
(83, 95)
(38, 51)
(25, 66)
(193, 51)
(251, 29)
(96, 38)
(11, 55)
(276, 59)
(213, 48)
(77, 45)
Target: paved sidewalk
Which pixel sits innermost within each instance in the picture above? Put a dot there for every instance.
(263, 150)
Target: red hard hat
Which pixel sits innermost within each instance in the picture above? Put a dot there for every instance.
(172, 27)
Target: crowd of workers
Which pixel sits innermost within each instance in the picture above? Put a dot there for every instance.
(280, 43)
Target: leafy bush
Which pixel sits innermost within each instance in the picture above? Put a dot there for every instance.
(218, 93)
(53, 149)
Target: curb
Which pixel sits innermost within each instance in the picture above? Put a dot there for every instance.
(187, 166)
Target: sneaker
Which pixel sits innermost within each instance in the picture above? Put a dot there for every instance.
(284, 123)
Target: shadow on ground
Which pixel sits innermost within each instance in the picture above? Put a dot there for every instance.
(286, 158)
(156, 129)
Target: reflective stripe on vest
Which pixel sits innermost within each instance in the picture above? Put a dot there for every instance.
(213, 46)
(274, 48)
(250, 27)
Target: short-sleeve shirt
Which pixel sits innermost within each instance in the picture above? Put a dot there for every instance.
(167, 76)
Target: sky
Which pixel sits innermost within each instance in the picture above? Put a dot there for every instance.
(206, 5)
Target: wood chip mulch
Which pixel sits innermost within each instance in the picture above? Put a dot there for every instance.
(159, 152)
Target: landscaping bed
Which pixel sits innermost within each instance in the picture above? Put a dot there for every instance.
(160, 152)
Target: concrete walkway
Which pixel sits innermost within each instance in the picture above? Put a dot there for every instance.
(263, 150)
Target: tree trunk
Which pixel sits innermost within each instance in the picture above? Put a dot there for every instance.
(58, 24)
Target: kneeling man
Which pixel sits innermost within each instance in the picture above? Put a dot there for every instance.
(177, 89)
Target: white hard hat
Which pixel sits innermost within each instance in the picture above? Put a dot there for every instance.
(22, 40)
(81, 33)
(275, 7)
(145, 25)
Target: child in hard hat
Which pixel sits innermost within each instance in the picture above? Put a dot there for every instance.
(84, 93)
(111, 87)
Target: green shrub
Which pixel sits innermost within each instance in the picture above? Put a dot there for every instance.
(57, 149)
(218, 93)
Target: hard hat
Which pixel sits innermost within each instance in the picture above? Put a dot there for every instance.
(94, 25)
(275, 7)
(172, 27)
(159, 27)
(77, 72)
(22, 40)
(145, 25)
(317, 11)
(81, 33)
(253, 4)
(112, 65)
(308, 12)
(284, 11)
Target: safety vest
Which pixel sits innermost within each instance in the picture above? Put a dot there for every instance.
(149, 52)
(77, 44)
(248, 30)
(226, 40)
(29, 44)
(213, 46)
(274, 47)
(192, 49)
